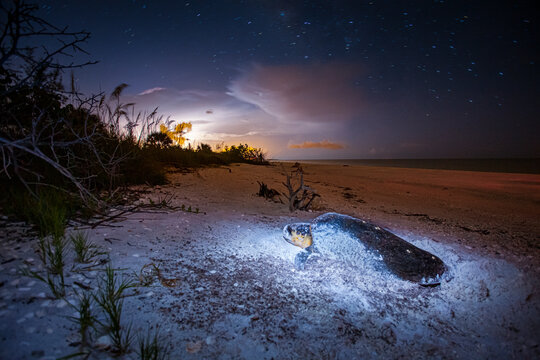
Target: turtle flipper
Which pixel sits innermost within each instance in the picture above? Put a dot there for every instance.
(300, 260)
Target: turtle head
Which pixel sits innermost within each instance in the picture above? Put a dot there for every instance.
(298, 234)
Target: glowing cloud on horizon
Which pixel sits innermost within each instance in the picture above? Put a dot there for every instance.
(324, 144)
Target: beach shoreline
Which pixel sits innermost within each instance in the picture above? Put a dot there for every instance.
(497, 165)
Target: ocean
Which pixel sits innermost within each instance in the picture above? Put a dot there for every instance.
(520, 166)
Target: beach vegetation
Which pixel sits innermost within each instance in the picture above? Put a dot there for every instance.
(85, 319)
(65, 154)
(52, 252)
(152, 346)
(48, 209)
(189, 209)
(85, 251)
(110, 298)
(53, 282)
(158, 140)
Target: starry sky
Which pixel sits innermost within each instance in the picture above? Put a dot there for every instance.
(324, 79)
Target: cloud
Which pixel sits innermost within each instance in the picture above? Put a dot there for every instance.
(324, 93)
(152, 90)
(200, 122)
(325, 144)
(202, 106)
(215, 115)
(269, 106)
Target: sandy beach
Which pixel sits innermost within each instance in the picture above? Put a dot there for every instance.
(232, 291)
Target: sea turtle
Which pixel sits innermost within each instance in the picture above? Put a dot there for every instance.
(359, 242)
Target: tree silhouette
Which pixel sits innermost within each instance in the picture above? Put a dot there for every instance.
(158, 140)
(205, 148)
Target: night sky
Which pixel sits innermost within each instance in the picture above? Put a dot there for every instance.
(324, 79)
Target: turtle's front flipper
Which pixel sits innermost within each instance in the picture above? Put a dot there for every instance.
(300, 259)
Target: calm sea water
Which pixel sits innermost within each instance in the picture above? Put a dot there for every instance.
(523, 166)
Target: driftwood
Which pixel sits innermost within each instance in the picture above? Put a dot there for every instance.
(268, 193)
(301, 197)
(163, 205)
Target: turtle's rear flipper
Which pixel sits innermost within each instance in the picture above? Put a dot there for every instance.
(430, 282)
(300, 260)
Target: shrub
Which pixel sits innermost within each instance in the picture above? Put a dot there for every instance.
(47, 209)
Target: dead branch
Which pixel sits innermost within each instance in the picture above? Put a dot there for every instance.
(268, 193)
(21, 23)
(301, 197)
(84, 193)
(161, 206)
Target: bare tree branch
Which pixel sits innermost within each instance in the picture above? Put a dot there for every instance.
(21, 23)
(301, 197)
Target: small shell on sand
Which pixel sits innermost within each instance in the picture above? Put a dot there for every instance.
(104, 342)
(194, 347)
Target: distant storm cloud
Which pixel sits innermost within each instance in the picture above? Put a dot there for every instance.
(215, 115)
(202, 106)
(270, 106)
(187, 100)
(324, 93)
(324, 144)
